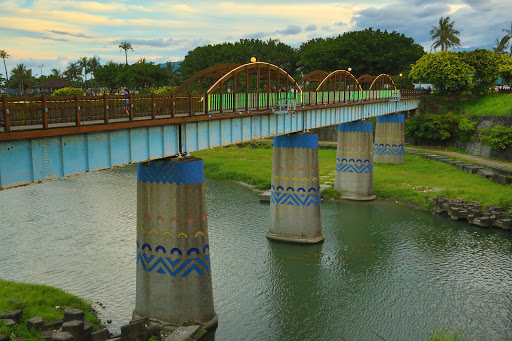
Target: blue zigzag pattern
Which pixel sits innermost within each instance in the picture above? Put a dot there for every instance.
(352, 168)
(389, 151)
(293, 199)
(165, 171)
(166, 265)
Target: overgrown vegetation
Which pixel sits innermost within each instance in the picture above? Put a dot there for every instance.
(445, 334)
(408, 183)
(436, 128)
(38, 300)
(498, 137)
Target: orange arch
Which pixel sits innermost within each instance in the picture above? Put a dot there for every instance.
(265, 71)
(338, 75)
(383, 82)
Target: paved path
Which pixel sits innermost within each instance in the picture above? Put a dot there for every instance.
(478, 160)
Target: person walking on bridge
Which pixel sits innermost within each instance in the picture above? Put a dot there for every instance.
(127, 102)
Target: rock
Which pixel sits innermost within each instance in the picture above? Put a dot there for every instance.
(14, 315)
(73, 315)
(62, 336)
(8, 323)
(87, 331)
(35, 322)
(100, 335)
(53, 325)
(486, 174)
(501, 179)
(4, 337)
(75, 328)
(154, 330)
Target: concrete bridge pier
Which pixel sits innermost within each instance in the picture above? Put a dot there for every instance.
(389, 139)
(173, 281)
(295, 191)
(354, 161)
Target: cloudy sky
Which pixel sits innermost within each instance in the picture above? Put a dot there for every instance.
(54, 32)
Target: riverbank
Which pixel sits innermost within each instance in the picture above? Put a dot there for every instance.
(39, 300)
(406, 183)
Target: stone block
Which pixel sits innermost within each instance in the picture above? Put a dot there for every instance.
(501, 179)
(73, 315)
(184, 334)
(75, 328)
(486, 174)
(100, 335)
(154, 330)
(461, 165)
(8, 323)
(86, 333)
(471, 169)
(62, 336)
(265, 196)
(135, 331)
(4, 337)
(35, 322)
(53, 325)
(14, 315)
(46, 335)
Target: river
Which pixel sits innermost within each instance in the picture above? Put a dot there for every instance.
(384, 268)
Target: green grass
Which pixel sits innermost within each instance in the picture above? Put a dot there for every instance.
(407, 183)
(39, 300)
(493, 104)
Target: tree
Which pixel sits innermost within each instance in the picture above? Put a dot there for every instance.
(108, 75)
(509, 35)
(124, 45)
(501, 46)
(271, 51)
(486, 65)
(3, 55)
(21, 77)
(83, 62)
(444, 36)
(55, 73)
(93, 64)
(73, 72)
(446, 70)
(367, 52)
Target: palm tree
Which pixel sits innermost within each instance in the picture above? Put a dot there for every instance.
(501, 45)
(55, 73)
(21, 77)
(92, 65)
(4, 55)
(509, 35)
(126, 46)
(73, 72)
(83, 63)
(444, 36)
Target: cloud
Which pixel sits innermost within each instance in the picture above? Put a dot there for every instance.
(78, 35)
(310, 28)
(290, 30)
(161, 42)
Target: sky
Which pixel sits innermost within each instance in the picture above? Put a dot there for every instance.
(53, 33)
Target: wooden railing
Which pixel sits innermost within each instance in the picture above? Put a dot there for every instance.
(43, 111)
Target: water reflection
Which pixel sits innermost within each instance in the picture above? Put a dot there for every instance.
(382, 266)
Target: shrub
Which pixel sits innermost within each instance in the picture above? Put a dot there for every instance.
(166, 90)
(433, 127)
(68, 91)
(498, 138)
(467, 128)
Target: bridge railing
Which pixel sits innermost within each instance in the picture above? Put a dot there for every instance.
(44, 112)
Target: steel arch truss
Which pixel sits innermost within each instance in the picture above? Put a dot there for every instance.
(339, 80)
(383, 82)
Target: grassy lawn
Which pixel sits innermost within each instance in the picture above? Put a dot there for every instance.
(407, 183)
(493, 104)
(38, 300)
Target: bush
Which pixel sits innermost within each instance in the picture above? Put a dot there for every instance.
(498, 138)
(433, 127)
(467, 128)
(166, 90)
(68, 91)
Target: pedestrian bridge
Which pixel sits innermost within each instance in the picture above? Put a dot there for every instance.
(44, 138)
